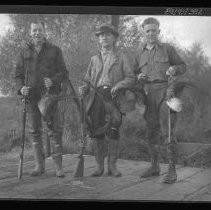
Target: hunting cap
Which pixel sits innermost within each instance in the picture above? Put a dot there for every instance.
(106, 28)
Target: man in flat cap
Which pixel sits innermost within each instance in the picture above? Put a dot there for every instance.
(46, 69)
(109, 72)
(157, 66)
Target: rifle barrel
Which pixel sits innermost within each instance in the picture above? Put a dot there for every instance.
(80, 167)
(20, 167)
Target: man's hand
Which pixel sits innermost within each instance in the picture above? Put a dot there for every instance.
(171, 71)
(48, 82)
(142, 77)
(114, 91)
(25, 90)
(83, 90)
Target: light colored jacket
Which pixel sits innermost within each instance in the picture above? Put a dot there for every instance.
(120, 73)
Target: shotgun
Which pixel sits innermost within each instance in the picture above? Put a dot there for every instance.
(80, 167)
(77, 102)
(78, 105)
(169, 117)
(20, 167)
(47, 144)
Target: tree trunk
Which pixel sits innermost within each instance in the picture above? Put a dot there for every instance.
(115, 21)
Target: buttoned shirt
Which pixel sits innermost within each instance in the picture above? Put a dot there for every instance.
(107, 57)
(155, 62)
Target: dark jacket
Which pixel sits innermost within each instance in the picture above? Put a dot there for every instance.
(49, 63)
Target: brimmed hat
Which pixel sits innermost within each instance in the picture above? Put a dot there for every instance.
(106, 28)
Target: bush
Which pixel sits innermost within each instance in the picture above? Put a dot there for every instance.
(7, 143)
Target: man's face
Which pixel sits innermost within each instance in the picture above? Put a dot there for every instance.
(151, 33)
(37, 33)
(107, 39)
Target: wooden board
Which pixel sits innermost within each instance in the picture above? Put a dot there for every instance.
(193, 183)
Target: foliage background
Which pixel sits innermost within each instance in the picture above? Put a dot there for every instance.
(74, 34)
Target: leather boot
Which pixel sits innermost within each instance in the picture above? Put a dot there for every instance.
(39, 160)
(113, 145)
(99, 157)
(171, 175)
(57, 158)
(154, 169)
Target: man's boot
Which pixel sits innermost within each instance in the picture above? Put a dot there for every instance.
(39, 160)
(99, 157)
(113, 145)
(154, 169)
(57, 158)
(171, 176)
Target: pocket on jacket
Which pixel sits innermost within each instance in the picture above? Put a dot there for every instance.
(161, 59)
(162, 64)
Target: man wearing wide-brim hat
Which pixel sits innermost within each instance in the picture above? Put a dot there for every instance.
(109, 72)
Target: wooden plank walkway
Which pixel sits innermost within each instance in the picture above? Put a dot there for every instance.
(194, 184)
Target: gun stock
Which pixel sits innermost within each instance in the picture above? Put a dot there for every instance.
(77, 102)
(20, 168)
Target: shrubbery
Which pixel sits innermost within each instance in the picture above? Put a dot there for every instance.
(74, 34)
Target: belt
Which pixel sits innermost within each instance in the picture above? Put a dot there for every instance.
(105, 92)
(104, 87)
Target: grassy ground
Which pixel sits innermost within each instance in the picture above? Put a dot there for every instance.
(13, 155)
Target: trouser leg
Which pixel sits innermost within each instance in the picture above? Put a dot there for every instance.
(39, 160)
(153, 139)
(57, 158)
(97, 116)
(113, 137)
(99, 149)
(55, 136)
(152, 116)
(34, 120)
(113, 146)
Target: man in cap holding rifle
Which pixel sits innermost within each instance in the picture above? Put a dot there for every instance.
(157, 66)
(108, 72)
(46, 70)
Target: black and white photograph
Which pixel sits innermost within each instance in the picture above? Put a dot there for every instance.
(105, 106)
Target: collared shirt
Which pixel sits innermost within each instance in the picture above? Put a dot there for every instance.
(106, 59)
(151, 54)
(38, 48)
(155, 62)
